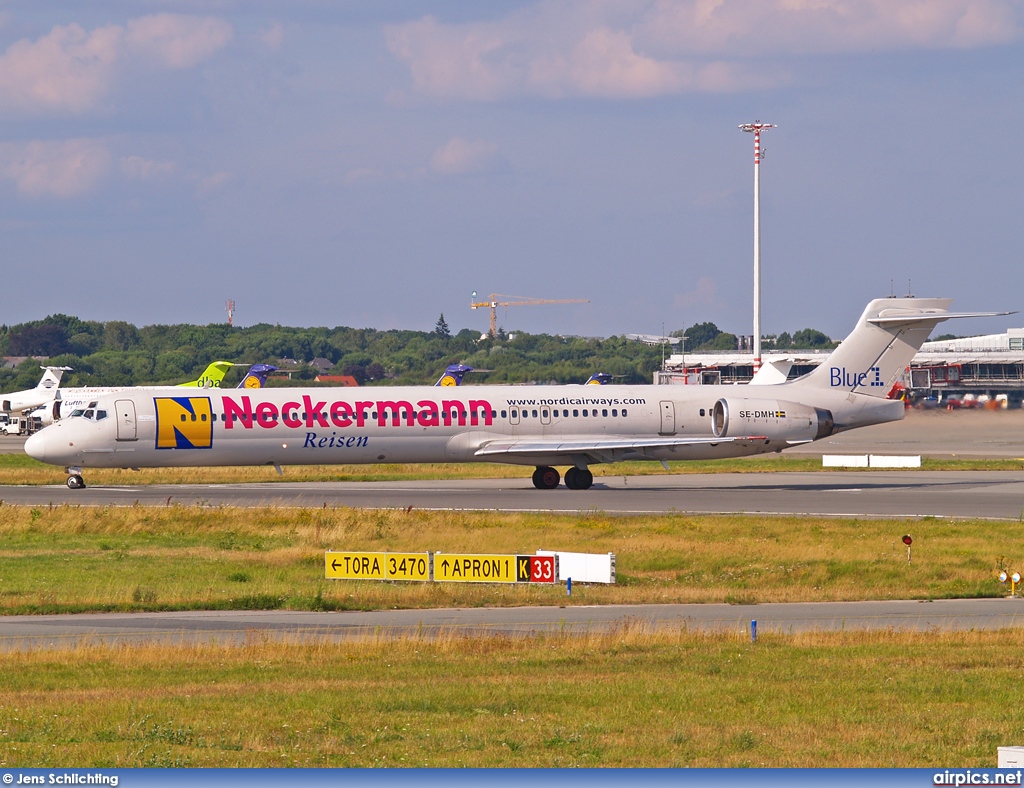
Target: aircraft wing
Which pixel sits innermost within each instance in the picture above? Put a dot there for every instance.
(608, 449)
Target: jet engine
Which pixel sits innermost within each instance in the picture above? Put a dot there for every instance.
(774, 419)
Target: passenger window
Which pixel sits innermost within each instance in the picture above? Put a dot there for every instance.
(702, 411)
(515, 414)
(575, 412)
(203, 417)
(503, 414)
(584, 411)
(604, 412)
(615, 412)
(623, 411)
(183, 417)
(544, 413)
(535, 414)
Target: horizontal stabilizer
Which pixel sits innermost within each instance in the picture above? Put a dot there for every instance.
(907, 317)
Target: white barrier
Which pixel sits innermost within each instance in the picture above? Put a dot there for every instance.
(870, 461)
(1010, 757)
(584, 567)
(893, 461)
(844, 461)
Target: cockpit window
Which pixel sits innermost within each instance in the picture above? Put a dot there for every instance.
(77, 412)
(100, 415)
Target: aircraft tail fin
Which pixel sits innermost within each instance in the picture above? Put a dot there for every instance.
(887, 336)
(212, 375)
(453, 375)
(51, 377)
(256, 377)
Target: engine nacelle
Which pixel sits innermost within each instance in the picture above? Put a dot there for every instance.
(774, 419)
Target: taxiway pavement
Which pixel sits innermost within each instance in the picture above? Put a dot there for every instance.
(961, 494)
(237, 627)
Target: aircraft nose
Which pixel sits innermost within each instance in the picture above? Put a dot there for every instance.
(35, 446)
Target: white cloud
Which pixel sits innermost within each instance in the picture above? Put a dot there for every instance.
(705, 294)
(71, 69)
(744, 28)
(142, 169)
(59, 169)
(273, 38)
(657, 47)
(459, 156)
(213, 183)
(179, 41)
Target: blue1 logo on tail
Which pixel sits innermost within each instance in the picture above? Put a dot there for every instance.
(840, 377)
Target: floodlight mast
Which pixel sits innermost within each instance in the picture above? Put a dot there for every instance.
(757, 127)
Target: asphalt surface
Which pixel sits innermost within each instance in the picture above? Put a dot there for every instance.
(238, 627)
(961, 494)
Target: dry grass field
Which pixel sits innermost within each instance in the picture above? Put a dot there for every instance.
(72, 559)
(629, 698)
(626, 699)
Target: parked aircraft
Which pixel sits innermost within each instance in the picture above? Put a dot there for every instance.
(17, 401)
(453, 375)
(67, 401)
(543, 426)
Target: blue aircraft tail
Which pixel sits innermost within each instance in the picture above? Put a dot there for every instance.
(256, 377)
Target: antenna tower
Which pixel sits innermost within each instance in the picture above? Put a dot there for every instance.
(230, 306)
(756, 128)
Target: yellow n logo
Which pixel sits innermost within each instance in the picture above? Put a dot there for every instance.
(183, 423)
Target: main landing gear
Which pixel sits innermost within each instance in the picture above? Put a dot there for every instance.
(578, 478)
(546, 478)
(75, 480)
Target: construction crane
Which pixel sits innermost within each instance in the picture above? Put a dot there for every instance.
(494, 303)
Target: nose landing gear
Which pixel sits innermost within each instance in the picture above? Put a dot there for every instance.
(75, 480)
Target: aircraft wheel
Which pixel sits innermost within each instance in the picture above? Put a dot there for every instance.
(75, 482)
(577, 479)
(545, 478)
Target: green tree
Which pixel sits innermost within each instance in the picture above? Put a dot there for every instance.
(809, 338)
(701, 334)
(441, 328)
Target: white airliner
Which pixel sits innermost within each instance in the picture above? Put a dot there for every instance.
(18, 401)
(543, 426)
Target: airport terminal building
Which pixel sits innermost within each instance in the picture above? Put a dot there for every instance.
(956, 371)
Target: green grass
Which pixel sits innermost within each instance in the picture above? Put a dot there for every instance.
(74, 559)
(629, 699)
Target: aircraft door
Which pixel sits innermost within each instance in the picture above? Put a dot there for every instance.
(545, 416)
(668, 418)
(127, 429)
(513, 415)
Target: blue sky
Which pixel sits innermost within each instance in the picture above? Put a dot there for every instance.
(372, 164)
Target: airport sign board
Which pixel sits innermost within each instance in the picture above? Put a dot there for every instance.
(377, 566)
(441, 567)
(475, 568)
